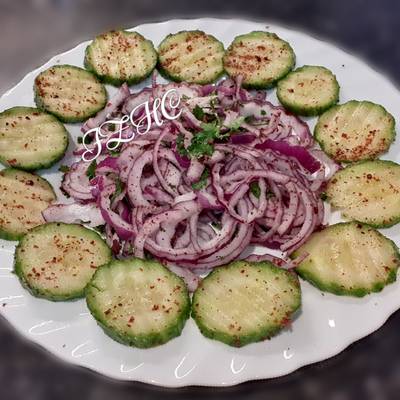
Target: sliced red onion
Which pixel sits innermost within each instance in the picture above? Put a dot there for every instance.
(88, 214)
(133, 185)
(208, 201)
(206, 90)
(285, 263)
(181, 212)
(121, 95)
(300, 153)
(292, 125)
(192, 121)
(183, 161)
(307, 227)
(263, 188)
(135, 100)
(109, 164)
(242, 138)
(291, 211)
(195, 170)
(123, 229)
(330, 166)
(184, 197)
(124, 212)
(191, 280)
(158, 195)
(76, 182)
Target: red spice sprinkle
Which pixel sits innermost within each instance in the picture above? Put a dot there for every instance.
(286, 322)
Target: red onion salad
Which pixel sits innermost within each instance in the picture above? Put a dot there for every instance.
(232, 171)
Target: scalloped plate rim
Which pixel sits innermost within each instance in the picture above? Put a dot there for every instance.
(195, 381)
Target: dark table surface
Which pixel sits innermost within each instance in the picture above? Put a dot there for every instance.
(33, 31)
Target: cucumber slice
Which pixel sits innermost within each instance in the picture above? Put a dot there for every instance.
(56, 261)
(23, 197)
(191, 56)
(261, 58)
(121, 56)
(138, 302)
(309, 90)
(349, 259)
(368, 191)
(70, 93)
(31, 139)
(245, 302)
(355, 131)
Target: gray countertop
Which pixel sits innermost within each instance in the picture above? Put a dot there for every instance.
(33, 31)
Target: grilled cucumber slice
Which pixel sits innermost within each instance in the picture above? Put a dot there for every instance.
(309, 90)
(138, 302)
(31, 139)
(70, 93)
(191, 56)
(355, 131)
(56, 261)
(245, 302)
(368, 191)
(261, 58)
(23, 197)
(121, 56)
(349, 259)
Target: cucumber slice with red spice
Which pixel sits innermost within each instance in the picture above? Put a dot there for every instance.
(355, 131)
(31, 139)
(245, 302)
(138, 302)
(368, 191)
(260, 58)
(70, 93)
(23, 197)
(191, 56)
(309, 90)
(56, 261)
(350, 259)
(121, 56)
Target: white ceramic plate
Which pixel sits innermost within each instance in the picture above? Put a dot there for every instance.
(327, 323)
